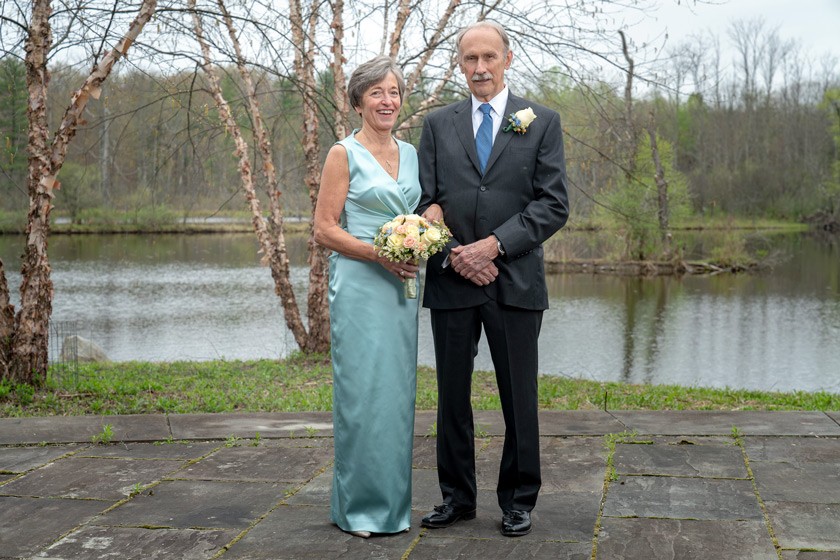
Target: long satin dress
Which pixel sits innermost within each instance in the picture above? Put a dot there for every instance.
(374, 356)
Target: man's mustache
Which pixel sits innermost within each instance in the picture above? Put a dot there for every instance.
(482, 76)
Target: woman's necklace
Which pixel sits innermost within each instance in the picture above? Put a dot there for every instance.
(382, 155)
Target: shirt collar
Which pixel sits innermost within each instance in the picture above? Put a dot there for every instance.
(498, 103)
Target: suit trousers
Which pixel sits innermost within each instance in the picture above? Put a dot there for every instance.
(512, 335)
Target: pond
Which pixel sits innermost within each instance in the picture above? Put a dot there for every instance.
(203, 297)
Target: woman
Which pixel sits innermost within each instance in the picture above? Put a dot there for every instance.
(368, 179)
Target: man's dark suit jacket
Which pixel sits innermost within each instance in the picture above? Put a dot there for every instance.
(521, 198)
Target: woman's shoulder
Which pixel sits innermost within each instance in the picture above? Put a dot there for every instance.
(347, 141)
(338, 154)
(407, 149)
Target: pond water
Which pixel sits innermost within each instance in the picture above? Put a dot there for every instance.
(200, 297)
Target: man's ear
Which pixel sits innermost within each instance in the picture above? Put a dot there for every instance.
(508, 60)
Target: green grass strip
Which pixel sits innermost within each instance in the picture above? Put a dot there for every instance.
(304, 384)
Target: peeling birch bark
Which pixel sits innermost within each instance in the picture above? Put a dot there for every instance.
(29, 341)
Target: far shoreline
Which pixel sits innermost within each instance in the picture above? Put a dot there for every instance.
(297, 225)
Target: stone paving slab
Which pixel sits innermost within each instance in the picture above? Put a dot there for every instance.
(575, 423)
(701, 422)
(22, 459)
(806, 526)
(682, 498)
(425, 493)
(317, 491)
(29, 524)
(260, 464)
(305, 532)
(802, 482)
(568, 464)
(717, 460)
(248, 425)
(177, 451)
(96, 479)
(793, 450)
(186, 504)
(560, 517)
(433, 547)
(80, 429)
(674, 539)
(107, 543)
(425, 423)
(425, 453)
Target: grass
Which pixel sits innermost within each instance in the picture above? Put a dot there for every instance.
(303, 383)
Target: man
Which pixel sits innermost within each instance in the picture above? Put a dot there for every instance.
(502, 191)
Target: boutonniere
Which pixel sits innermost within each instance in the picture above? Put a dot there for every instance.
(520, 120)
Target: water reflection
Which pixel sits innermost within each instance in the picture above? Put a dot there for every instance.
(197, 297)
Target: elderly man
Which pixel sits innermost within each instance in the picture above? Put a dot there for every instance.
(493, 165)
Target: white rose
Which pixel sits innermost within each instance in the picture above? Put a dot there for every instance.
(395, 240)
(431, 236)
(526, 117)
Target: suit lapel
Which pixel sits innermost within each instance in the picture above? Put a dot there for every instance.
(462, 124)
(502, 139)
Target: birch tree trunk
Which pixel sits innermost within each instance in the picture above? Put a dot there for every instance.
(7, 324)
(663, 211)
(628, 136)
(304, 64)
(29, 341)
(271, 236)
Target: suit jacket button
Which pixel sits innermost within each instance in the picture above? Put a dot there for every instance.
(482, 188)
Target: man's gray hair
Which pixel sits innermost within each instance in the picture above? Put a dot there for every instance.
(479, 24)
(371, 73)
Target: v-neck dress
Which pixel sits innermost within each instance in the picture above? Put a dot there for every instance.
(374, 355)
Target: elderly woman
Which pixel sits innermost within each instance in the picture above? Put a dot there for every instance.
(368, 179)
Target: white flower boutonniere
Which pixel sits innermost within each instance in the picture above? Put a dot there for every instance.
(520, 120)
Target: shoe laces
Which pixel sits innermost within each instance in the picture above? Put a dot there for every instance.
(514, 515)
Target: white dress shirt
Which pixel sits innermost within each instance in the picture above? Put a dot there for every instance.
(498, 104)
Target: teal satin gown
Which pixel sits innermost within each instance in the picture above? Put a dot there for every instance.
(374, 356)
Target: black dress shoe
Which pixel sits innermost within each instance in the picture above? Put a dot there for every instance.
(515, 523)
(446, 516)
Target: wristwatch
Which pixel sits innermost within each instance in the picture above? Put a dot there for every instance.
(499, 247)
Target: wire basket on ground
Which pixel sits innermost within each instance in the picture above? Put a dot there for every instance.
(63, 353)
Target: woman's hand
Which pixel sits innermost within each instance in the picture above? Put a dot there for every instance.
(401, 270)
(434, 213)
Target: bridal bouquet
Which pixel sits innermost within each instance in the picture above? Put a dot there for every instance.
(409, 238)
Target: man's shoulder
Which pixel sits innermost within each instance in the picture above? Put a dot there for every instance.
(447, 111)
(523, 103)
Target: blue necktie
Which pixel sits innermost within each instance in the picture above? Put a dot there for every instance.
(484, 137)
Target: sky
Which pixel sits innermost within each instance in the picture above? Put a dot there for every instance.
(815, 24)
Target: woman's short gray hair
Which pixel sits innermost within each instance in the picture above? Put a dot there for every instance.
(371, 73)
(484, 23)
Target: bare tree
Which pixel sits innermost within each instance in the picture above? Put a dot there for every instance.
(26, 357)
(775, 50)
(748, 39)
(663, 211)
